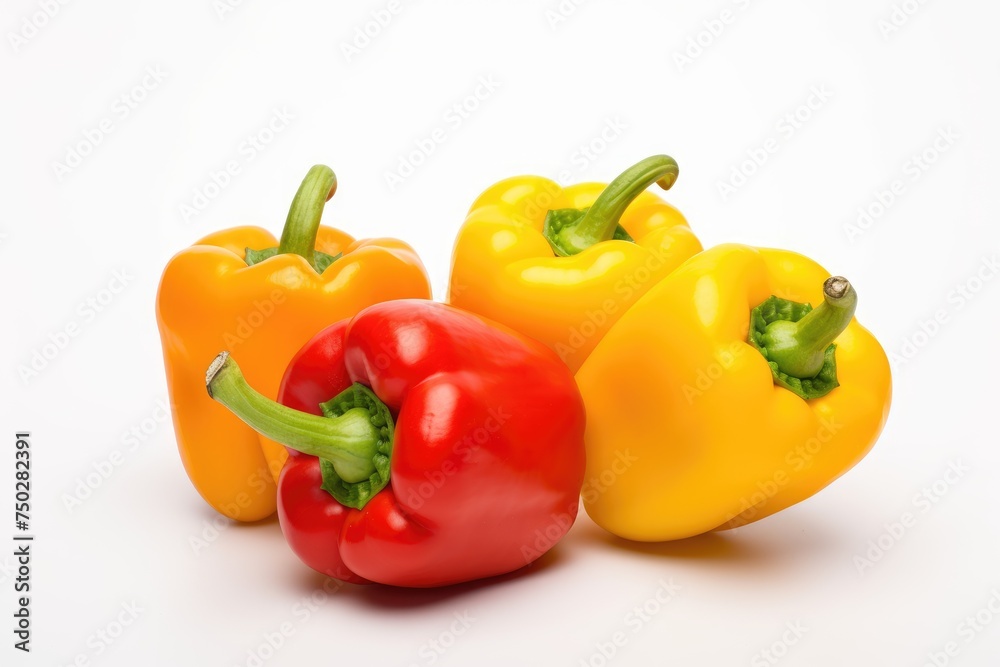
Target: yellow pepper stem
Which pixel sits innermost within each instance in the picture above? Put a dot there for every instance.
(799, 348)
(571, 231)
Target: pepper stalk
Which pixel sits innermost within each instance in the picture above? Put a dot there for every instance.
(570, 231)
(797, 340)
(302, 223)
(353, 440)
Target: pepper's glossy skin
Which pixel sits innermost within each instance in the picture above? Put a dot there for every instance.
(487, 459)
(504, 269)
(209, 300)
(687, 431)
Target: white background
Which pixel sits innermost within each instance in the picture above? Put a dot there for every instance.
(888, 96)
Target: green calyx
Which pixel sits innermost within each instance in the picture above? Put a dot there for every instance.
(570, 231)
(302, 223)
(353, 438)
(797, 340)
(350, 491)
(320, 260)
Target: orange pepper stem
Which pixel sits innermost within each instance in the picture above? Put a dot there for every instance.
(349, 442)
(302, 223)
(570, 231)
(799, 348)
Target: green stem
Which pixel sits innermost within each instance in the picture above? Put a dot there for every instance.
(799, 348)
(349, 442)
(569, 234)
(302, 223)
(600, 220)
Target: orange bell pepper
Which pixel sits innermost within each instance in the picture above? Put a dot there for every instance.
(242, 290)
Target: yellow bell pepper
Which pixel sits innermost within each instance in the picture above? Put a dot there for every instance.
(720, 398)
(563, 264)
(240, 289)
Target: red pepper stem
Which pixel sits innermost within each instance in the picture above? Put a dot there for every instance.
(302, 223)
(348, 441)
(601, 219)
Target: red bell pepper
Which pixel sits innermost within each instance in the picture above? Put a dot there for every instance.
(428, 446)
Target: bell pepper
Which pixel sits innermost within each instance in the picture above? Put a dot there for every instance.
(563, 264)
(723, 397)
(428, 446)
(242, 289)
